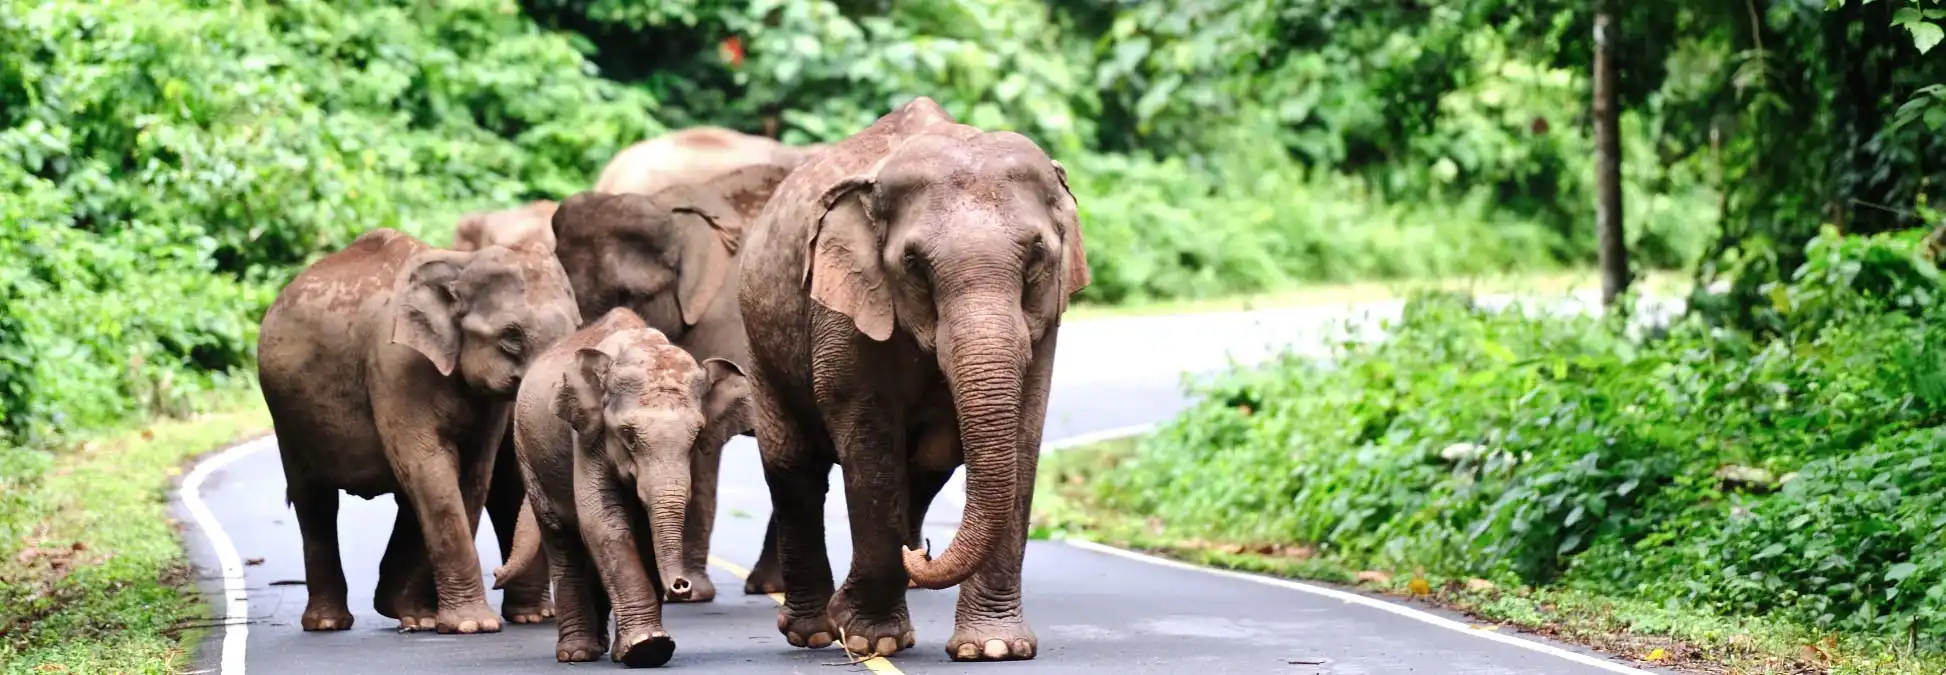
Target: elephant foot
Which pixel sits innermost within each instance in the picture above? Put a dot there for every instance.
(413, 616)
(646, 649)
(472, 618)
(865, 636)
(528, 607)
(765, 579)
(326, 615)
(813, 632)
(993, 641)
(701, 589)
(579, 648)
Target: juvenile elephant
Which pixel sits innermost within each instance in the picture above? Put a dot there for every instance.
(530, 222)
(693, 154)
(604, 428)
(903, 292)
(389, 367)
(671, 258)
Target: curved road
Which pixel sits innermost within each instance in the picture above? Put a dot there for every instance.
(1095, 610)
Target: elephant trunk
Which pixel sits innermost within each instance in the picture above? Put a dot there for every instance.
(664, 492)
(526, 548)
(983, 351)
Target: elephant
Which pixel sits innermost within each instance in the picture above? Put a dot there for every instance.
(689, 155)
(532, 221)
(903, 293)
(390, 367)
(615, 410)
(671, 257)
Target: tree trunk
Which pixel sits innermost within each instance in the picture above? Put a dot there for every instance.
(1613, 247)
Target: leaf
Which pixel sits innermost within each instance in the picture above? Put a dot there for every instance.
(1900, 571)
(1925, 36)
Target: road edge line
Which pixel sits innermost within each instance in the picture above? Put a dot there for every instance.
(236, 599)
(873, 663)
(1288, 584)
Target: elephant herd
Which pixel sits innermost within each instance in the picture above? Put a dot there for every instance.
(888, 303)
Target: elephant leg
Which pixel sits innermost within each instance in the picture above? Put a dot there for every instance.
(869, 609)
(988, 624)
(447, 498)
(582, 621)
(324, 571)
(924, 487)
(607, 526)
(525, 599)
(767, 576)
(405, 589)
(699, 519)
(798, 477)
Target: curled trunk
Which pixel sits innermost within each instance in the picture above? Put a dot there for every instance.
(983, 351)
(526, 548)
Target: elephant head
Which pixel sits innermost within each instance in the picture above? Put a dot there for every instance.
(645, 406)
(971, 244)
(666, 255)
(485, 314)
(530, 222)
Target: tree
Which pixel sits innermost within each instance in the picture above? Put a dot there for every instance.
(1612, 247)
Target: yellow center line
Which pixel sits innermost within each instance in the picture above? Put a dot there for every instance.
(874, 663)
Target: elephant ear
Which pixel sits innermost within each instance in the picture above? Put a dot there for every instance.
(726, 404)
(1074, 260)
(706, 263)
(466, 235)
(843, 267)
(579, 400)
(426, 316)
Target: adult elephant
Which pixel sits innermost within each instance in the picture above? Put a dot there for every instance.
(903, 293)
(389, 367)
(670, 257)
(692, 154)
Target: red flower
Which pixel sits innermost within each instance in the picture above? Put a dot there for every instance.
(732, 50)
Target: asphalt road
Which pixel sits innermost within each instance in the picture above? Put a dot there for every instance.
(1094, 610)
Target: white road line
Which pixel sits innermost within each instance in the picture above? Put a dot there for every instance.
(1355, 599)
(236, 603)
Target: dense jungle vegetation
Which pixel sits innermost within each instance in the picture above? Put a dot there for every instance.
(167, 165)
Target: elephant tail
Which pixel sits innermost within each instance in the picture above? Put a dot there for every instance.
(527, 547)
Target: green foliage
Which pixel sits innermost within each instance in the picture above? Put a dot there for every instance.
(169, 164)
(1561, 450)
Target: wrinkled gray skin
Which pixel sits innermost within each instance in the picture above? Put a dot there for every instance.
(389, 368)
(903, 292)
(671, 258)
(688, 155)
(604, 429)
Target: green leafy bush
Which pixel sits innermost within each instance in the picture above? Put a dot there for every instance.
(1548, 449)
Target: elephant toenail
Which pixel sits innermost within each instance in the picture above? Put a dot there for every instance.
(795, 639)
(966, 651)
(887, 645)
(820, 640)
(907, 640)
(1023, 648)
(856, 644)
(996, 649)
(469, 626)
(428, 622)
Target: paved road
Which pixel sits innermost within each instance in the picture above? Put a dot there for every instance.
(1095, 611)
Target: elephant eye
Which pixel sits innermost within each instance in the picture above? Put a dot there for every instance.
(511, 340)
(1037, 252)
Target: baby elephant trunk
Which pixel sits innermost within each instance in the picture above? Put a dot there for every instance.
(527, 547)
(664, 492)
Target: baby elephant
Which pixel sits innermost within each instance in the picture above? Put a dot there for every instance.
(612, 412)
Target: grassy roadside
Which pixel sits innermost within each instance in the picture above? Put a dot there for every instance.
(1646, 630)
(1550, 283)
(93, 577)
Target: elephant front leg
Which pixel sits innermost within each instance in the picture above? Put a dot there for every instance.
(447, 503)
(640, 639)
(767, 576)
(797, 479)
(405, 589)
(699, 519)
(582, 621)
(869, 610)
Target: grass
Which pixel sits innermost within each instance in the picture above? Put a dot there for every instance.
(1647, 630)
(93, 578)
(1662, 283)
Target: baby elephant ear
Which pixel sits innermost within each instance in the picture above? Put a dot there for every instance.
(727, 403)
(426, 317)
(582, 391)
